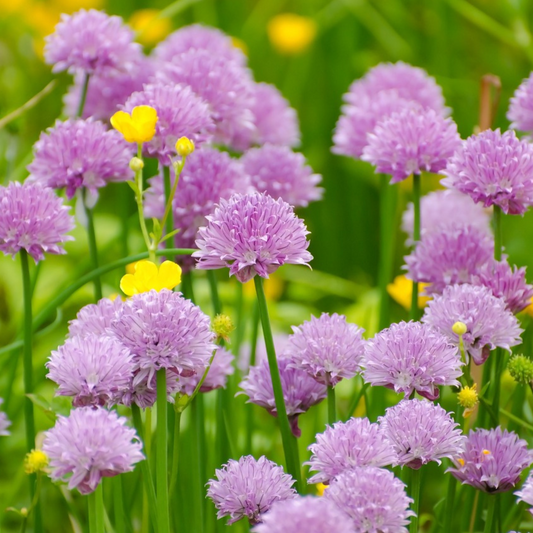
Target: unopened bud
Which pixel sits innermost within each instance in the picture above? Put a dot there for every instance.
(222, 326)
(35, 461)
(459, 328)
(184, 146)
(136, 164)
(521, 369)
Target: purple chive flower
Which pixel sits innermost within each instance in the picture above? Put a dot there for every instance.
(208, 176)
(411, 141)
(374, 499)
(143, 392)
(520, 111)
(282, 173)
(356, 121)
(164, 330)
(95, 370)
(248, 488)
(446, 208)
(507, 283)
(409, 357)
(88, 445)
(420, 432)
(300, 391)
(106, 93)
(225, 85)
(305, 513)
(492, 460)
(494, 168)
(489, 323)
(4, 422)
(198, 37)
(411, 83)
(252, 234)
(80, 153)
(95, 318)
(327, 348)
(180, 113)
(452, 255)
(33, 218)
(92, 42)
(274, 121)
(526, 494)
(346, 445)
(216, 378)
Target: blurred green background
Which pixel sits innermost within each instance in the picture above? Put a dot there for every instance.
(456, 41)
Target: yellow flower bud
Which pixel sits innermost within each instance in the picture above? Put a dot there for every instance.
(35, 461)
(148, 276)
(290, 33)
(139, 127)
(468, 397)
(184, 146)
(459, 328)
(136, 164)
(222, 326)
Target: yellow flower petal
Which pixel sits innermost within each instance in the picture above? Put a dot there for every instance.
(127, 285)
(169, 275)
(137, 128)
(146, 276)
(290, 33)
(401, 290)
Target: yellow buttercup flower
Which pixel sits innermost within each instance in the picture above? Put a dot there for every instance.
(401, 290)
(184, 146)
(139, 127)
(35, 461)
(148, 276)
(290, 33)
(150, 26)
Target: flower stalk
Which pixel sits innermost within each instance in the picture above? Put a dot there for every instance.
(415, 313)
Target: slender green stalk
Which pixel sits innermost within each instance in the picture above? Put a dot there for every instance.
(118, 504)
(99, 508)
(415, 494)
(27, 354)
(91, 504)
(217, 305)
(168, 218)
(290, 446)
(332, 411)
(93, 248)
(162, 455)
(415, 313)
(388, 196)
(450, 500)
(198, 416)
(83, 96)
(490, 521)
(175, 452)
(66, 293)
(356, 399)
(145, 465)
(27, 358)
(240, 328)
(253, 349)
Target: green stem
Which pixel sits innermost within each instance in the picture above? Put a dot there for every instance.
(249, 407)
(240, 328)
(356, 399)
(416, 237)
(145, 465)
(66, 293)
(93, 248)
(415, 494)
(491, 513)
(175, 452)
(217, 305)
(387, 211)
(498, 240)
(197, 412)
(118, 503)
(290, 446)
(27, 358)
(168, 219)
(83, 96)
(448, 511)
(162, 455)
(99, 507)
(332, 411)
(139, 199)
